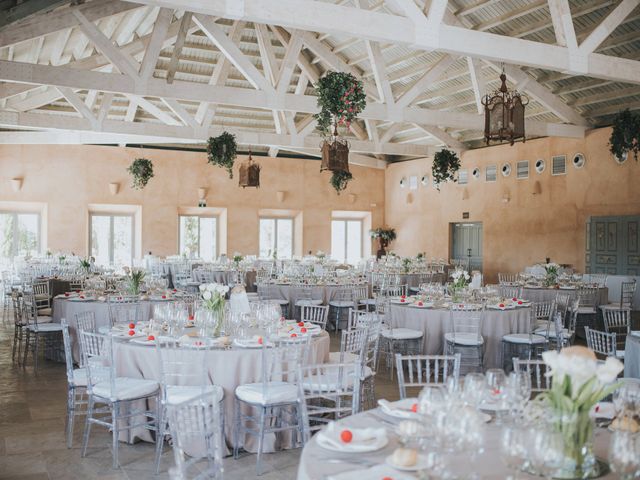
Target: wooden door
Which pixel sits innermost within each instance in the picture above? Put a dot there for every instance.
(613, 246)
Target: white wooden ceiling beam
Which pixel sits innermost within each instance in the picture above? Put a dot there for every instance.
(230, 50)
(607, 26)
(289, 62)
(563, 23)
(185, 23)
(379, 72)
(154, 110)
(107, 100)
(477, 82)
(178, 109)
(160, 29)
(386, 28)
(443, 137)
(426, 80)
(105, 45)
(109, 82)
(79, 105)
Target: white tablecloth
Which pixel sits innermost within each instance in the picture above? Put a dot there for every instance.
(436, 322)
(488, 465)
(632, 356)
(292, 293)
(227, 368)
(543, 294)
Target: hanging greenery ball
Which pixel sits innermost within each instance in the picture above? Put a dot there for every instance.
(341, 99)
(445, 165)
(625, 136)
(142, 171)
(340, 179)
(222, 151)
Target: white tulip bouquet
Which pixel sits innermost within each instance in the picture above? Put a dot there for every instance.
(213, 298)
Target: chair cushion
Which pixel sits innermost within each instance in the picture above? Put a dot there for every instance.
(126, 388)
(468, 339)
(303, 302)
(45, 327)
(401, 334)
(334, 357)
(44, 319)
(276, 392)
(329, 382)
(368, 301)
(524, 338)
(47, 312)
(80, 377)
(280, 301)
(176, 394)
(552, 332)
(586, 310)
(341, 303)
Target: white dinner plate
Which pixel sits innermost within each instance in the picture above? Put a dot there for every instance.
(243, 343)
(372, 445)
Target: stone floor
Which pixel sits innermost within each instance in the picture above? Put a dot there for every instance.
(32, 441)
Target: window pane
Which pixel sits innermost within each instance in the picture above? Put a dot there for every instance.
(338, 240)
(6, 236)
(100, 232)
(189, 235)
(354, 241)
(122, 240)
(207, 238)
(267, 237)
(27, 233)
(284, 242)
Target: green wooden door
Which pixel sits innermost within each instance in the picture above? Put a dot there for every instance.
(466, 243)
(612, 245)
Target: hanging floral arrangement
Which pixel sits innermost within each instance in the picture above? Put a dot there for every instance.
(142, 171)
(341, 99)
(340, 179)
(445, 165)
(625, 136)
(222, 151)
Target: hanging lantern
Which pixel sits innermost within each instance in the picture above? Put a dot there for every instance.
(335, 154)
(504, 114)
(249, 174)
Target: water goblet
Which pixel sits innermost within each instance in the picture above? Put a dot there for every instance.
(545, 451)
(513, 448)
(624, 455)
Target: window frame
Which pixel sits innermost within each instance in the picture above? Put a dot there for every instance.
(111, 216)
(199, 217)
(346, 235)
(276, 219)
(14, 241)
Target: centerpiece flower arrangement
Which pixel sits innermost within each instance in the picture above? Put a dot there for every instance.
(237, 259)
(578, 383)
(134, 280)
(85, 265)
(320, 255)
(61, 258)
(213, 299)
(552, 271)
(460, 279)
(406, 265)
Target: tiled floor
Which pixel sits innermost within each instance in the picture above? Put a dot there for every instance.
(32, 442)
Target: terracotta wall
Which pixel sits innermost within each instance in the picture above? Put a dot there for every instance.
(69, 178)
(528, 227)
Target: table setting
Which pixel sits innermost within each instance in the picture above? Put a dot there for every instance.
(488, 426)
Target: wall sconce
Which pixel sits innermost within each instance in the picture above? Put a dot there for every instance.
(409, 198)
(465, 193)
(506, 197)
(16, 184)
(352, 198)
(280, 196)
(202, 193)
(113, 188)
(537, 188)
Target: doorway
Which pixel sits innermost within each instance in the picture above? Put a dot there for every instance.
(466, 244)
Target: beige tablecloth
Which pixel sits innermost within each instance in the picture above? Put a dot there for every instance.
(292, 293)
(488, 465)
(227, 368)
(542, 294)
(436, 322)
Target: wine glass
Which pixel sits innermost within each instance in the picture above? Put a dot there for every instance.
(518, 392)
(513, 448)
(624, 454)
(495, 390)
(473, 389)
(545, 451)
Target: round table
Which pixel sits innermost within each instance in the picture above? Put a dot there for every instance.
(488, 465)
(544, 294)
(291, 293)
(632, 355)
(436, 322)
(227, 368)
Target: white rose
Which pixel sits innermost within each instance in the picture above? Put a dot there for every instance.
(211, 287)
(609, 370)
(202, 287)
(207, 295)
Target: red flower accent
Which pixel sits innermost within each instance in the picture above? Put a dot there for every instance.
(346, 436)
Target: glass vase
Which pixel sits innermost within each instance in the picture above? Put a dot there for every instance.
(577, 437)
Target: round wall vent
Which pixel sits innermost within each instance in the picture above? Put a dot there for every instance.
(403, 182)
(578, 160)
(540, 165)
(476, 173)
(506, 170)
(425, 180)
(621, 160)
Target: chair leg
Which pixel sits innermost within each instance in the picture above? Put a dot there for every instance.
(87, 426)
(236, 428)
(15, 344)
(263, 413)
(71, 412)
(26, 348)
(160, 430)
(36, 352)
(114, 440)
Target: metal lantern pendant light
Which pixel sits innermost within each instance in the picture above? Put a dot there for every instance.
(504, 114)
(249, 174)
(335, 153)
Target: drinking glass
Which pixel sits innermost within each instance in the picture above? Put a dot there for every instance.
(545, 452)
(495, 391)
(624, 454)
(431, 401)
(518, 392)
(513, 448)
(473, 389)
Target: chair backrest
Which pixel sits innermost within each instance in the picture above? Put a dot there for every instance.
(537, 370)
(196, 422)
(507, 278)
(563, 301)
(182, 364)
(543, 310)
(588, 296)
(331, 391)
(618, 322)
(97, 355)
(360, 292)
(280, 363)
(395, 290)
(352, 341)
(509, 291)
(86, 321)
(601, 342)
(425, 370)
(467, 322)
(18, 308)
(316, 314)
(627, 291)
(123, 309)
(68, 353)
(598, 278)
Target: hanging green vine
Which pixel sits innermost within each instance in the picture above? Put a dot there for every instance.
(142, 171)
(340, 179)
(341, 99)
(445, 165)
(625, 136)
(222, 151)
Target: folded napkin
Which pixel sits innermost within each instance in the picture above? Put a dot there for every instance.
(373, 473)
(363, 439)
(399, 409)
(603, 410)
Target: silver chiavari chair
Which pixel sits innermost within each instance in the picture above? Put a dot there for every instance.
(304, 296)
(599, 279)
(587, 312)
(526, 345)
(342, 301)
(537, 370)
(124, 309)
(86, 321)
(76, 385)
(418, 371)
(509, 291)
(466, 338)
(316, 314)
(618, 321)
(603, 343)
(20, 326)
(39, 330)
(508, 278)
(627, 292)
